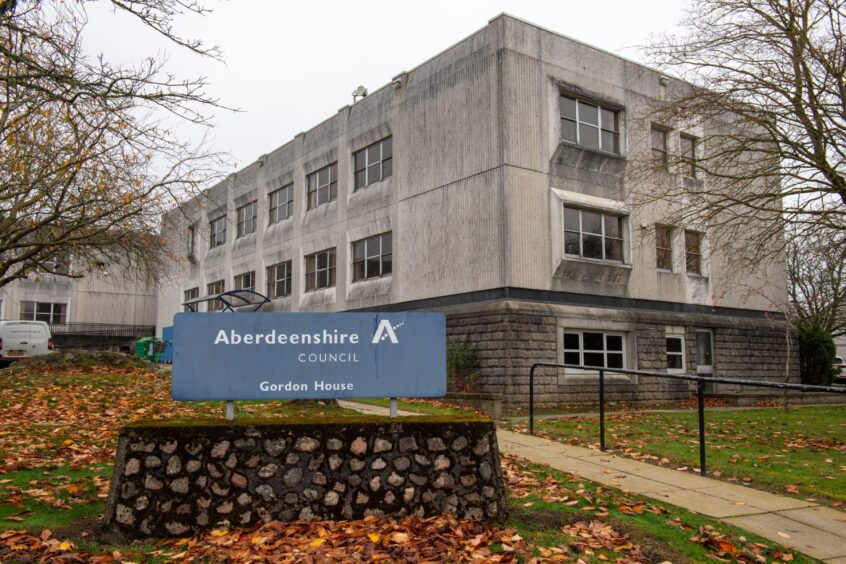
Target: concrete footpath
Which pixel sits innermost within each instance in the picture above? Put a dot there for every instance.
(812, 529)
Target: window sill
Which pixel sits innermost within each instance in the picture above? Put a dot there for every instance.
(589, 150)
(603, 262)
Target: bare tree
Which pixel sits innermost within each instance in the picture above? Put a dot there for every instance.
(764, 104)
(88, 155)
(816, 268)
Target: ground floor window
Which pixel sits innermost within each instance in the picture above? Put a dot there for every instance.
(279, 280)
(213, 289)
(675, 353)
(191, 294)
(246, 281)
(51, 313)
(585, 348)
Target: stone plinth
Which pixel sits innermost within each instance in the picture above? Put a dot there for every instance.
(174, 480)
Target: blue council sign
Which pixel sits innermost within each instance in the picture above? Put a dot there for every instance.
(263, 356)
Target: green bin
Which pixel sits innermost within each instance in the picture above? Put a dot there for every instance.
(143, 348)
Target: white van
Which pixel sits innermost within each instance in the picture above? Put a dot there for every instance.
(21, 339)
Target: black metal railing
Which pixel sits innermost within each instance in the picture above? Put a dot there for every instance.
(701, 382)
(102, 329)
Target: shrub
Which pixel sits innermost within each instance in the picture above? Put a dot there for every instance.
(462, 367)
(816, 355)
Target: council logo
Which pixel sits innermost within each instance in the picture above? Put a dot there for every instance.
(386, 331)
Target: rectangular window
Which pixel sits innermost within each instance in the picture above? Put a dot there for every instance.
(372, 257)
(217, 232)
(688, 155)
(215, 288)
(320, 270)
(51, 313)
(603, 350)
(693, 252)
(279, 280)
(664, 247)
(191, 294)
(589, 125)
(675, 353)
(247, 218)
(322, 186)
(246, 281)
(659, 146)
(189, 242)
(281, 204)
(592, 234)
(373, 163)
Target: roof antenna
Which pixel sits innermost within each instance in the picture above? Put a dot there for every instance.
(359, 92)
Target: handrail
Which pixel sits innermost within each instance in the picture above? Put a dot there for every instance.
(700, 392)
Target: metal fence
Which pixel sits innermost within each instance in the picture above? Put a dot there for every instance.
(102, 329)
(701, 382)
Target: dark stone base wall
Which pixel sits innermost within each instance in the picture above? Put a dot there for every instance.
(177, 480)
(509, 336)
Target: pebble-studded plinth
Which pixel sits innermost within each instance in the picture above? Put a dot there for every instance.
(177, 480)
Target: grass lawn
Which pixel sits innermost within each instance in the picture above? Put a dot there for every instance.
(57, 447)
(800, 452)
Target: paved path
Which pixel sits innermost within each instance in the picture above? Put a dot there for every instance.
(819, 532)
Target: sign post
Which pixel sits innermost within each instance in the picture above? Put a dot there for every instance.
(266, 356)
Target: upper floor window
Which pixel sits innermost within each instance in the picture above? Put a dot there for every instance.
(189, 241)
(372, 257)
(693, 252)
(658, 138)
(217, 232)
(281, 204)
(247, 218)
(603, 350)
(214, 288)
(664, 247)
(688, 146)
(373, 163)
(592, 234)
(246, 281)
(279, 280)
(322, 186)
(191, 294)
(320, 270)
(50, 313)
(589, 125)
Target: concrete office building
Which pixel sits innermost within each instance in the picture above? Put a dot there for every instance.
(489, 183)
(107, 309)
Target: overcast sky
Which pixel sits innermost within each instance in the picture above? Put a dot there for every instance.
(290, 65)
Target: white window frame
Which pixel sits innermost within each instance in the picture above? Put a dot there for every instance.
(52, 320)
(331, 269)
(599, 126)
(700, 263)
(681, 354)
(273, 279)
(288, 203)
(605, 351)
(581, 232)
(325, 189)
(367, 152)
(217, 232)
(246, 276)
(373, 249)
(211, 288)
(247, 219)
(670, 248)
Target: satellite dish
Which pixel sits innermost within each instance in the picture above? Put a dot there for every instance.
(360, 92)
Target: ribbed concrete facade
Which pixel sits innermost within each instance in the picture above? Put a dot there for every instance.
(475, 205)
